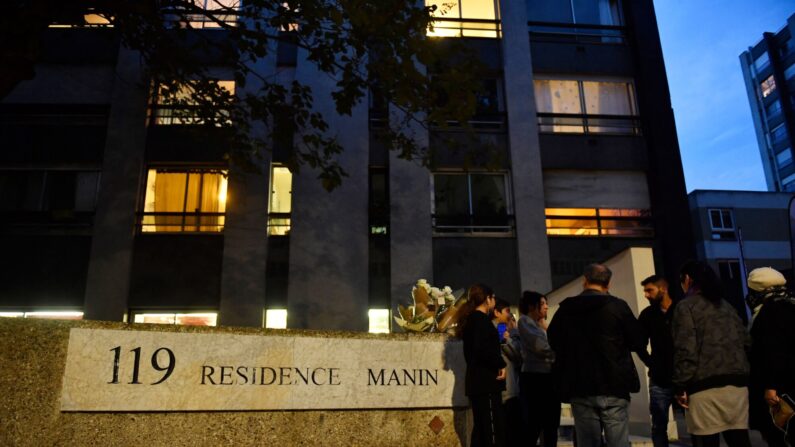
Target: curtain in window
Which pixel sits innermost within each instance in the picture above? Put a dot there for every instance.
(169, 197)
(559, 96)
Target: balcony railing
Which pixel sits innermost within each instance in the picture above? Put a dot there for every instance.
(589, 124)
(449, 27)
(176, 222)
(480, 225)
(164, 115)
(577, 32)
(279, 224)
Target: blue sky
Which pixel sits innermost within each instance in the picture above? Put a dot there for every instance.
(702, 41)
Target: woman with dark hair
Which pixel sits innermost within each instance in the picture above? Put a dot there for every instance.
(710, 363)
(485, 374)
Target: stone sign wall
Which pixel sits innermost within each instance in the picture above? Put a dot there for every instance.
(114, 370)
(60, 386)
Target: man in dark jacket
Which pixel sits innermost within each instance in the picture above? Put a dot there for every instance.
(592, 335)
(655, 321)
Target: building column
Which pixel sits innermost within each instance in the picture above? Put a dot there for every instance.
(245, 255)
(410, 225)
(329, 230)
(525, 149)
(109, 269)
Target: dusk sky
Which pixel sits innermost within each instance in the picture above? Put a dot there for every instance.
(702, 41)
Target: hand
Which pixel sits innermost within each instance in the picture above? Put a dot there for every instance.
(501, 374)
(771, 397)
(506, 336)
(682, 399)
(542, 323)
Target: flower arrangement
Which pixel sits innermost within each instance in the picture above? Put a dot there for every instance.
(434, 309)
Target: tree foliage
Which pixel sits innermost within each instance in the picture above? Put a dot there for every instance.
(377, 47)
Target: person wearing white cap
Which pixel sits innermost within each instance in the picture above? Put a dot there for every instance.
(772, 350)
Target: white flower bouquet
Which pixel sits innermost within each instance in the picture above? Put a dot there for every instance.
(434, 309)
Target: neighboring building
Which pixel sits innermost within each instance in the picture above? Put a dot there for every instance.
(763, 220)
(116, 207)
(769, 72)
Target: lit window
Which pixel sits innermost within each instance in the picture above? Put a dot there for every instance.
(186, 319)
(281, 199)
(721, 223)
(179, 200)
(593, 222)
(572, 106)
(464, 18)
(768, 86)
(379, 321)
(185, 104)
(471, 203)
(276, 318)
(216, 14)
(45, 315)
(90, 19)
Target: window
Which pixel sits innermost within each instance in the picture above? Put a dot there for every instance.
(594, 222)
(600, 20)
(471, 203)
(44, 314)
(721, 223)
(276, 318)
(379, 201)
(218, 13)
(281, 200)
(768, 86)
(789, 73)
(762, 62)
(91, 19)
(778, 134)
(184, 200)
(788, 181)
(379, 321)
(773, 110)
(465, 18)
(575, 106)
(49, 196)
(186, 319)
(784, 158)
(190, 104)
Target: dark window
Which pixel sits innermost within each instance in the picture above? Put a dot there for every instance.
(471, 203)
(721, 223)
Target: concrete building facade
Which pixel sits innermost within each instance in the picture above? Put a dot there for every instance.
(769, 73)
(121, 210)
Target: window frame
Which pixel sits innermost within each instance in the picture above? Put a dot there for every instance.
(273, 217)
(197, 228)
(548, 121)
(133, 313)
(599, 216)
(721, 231)
(472, 229)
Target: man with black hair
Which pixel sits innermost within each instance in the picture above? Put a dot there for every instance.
(592, 335)
(537, 386)
(655, 321)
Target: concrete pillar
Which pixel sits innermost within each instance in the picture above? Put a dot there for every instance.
(410, 226)
(108, 279)
(245, 231)
(329, 232)
(525, 150)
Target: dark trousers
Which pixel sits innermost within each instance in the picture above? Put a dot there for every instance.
(660, 400)
(488, 428)
(514, 420)
(542, 407)
(733, 438)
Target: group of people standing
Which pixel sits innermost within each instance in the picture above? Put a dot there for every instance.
(703, 358)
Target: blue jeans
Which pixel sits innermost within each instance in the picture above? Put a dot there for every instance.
(592, 414)
(660, 400)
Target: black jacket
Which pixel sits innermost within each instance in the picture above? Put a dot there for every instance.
(592, 335)
(656, 326)
(483, 356)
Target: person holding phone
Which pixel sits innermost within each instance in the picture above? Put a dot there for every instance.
(485, 369)
(511, 354)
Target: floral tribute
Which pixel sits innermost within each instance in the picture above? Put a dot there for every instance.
(434, 309)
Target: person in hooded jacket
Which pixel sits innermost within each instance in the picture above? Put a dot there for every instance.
(772, 352)
(592, 335)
